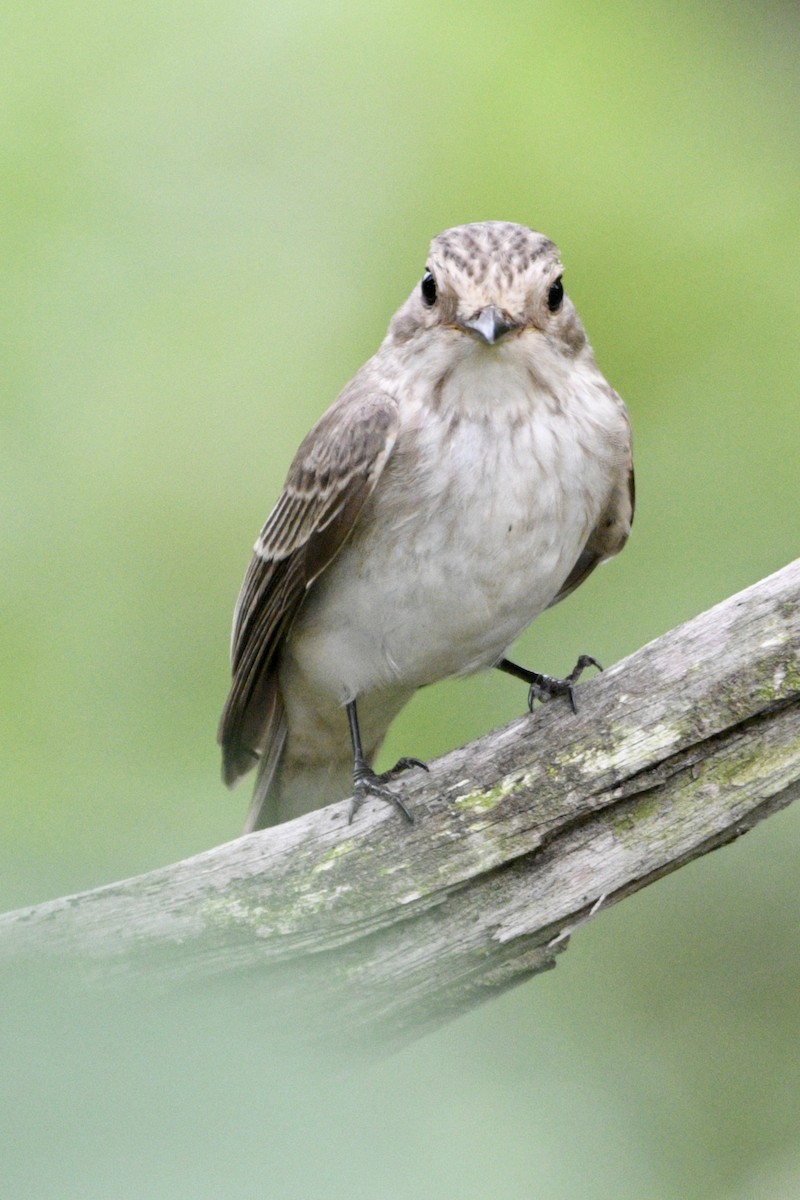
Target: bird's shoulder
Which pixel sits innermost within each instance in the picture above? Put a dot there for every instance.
(332, 475)
(340, 458)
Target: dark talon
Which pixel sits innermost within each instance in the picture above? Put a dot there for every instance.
(546, 687)
(402, 764)
(367, 782)
(583, 662)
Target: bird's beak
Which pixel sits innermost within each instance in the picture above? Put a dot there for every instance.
(490, 324)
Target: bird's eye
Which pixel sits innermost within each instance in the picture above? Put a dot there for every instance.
(428, 289)
(555, 295)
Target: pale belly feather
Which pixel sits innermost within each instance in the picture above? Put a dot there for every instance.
(460, 551)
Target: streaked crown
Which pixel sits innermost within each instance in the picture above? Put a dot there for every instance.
(491, 280)
(493, 262)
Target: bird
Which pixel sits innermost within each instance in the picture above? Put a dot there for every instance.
(472, 474)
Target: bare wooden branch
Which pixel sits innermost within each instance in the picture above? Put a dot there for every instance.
(519, 836)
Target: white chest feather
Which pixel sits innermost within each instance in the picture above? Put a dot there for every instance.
(482, 511)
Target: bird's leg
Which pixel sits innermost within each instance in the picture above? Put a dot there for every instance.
(367, 782)
(546, 687)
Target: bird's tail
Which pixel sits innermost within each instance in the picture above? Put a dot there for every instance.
(264, 805)
(310, 764)
(286, 789)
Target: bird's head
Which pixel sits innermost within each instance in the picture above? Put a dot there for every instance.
(491, 282)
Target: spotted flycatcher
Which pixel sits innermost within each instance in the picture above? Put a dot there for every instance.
(472, 474)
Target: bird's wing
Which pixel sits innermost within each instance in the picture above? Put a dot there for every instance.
(333, 474)
(608, 536)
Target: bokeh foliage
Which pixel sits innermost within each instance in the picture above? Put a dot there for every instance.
(210, 212)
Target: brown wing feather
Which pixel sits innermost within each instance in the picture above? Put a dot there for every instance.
(607, 538)
(333, 473)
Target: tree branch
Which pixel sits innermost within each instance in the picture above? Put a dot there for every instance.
(519, 836)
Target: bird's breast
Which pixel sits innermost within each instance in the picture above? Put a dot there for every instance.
(477, 520)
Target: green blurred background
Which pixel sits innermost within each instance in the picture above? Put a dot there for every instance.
(211, 212)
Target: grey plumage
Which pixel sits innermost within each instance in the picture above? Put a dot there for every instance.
(455, 489)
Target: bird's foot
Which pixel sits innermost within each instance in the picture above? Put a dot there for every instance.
(402, 764)
(367, 782)
(547, 687)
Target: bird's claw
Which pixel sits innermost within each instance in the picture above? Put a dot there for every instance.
(547, 687)
(402, 764)
(367, 782)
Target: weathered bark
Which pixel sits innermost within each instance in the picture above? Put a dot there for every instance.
(676, 750)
